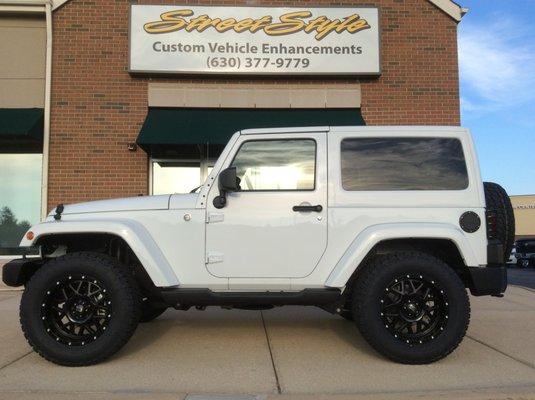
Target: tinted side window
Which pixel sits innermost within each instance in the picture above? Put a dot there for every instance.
(403, 164)
(276, 164)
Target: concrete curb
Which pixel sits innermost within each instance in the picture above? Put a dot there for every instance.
(516, 393)
(524, 287)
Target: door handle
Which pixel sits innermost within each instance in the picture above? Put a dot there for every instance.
(317, 208)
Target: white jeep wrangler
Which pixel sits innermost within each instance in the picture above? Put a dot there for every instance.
(386, 226)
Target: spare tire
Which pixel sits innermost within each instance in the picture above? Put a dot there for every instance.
(499, 203)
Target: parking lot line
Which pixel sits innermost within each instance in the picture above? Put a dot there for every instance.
(271, 354)
(526, 363)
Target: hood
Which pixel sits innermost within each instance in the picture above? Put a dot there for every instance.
(139, 203)
(183, 201)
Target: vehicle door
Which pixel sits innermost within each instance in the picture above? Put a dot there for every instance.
(275, 225)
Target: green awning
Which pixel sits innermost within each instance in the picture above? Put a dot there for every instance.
(21, 130)
(215, 126)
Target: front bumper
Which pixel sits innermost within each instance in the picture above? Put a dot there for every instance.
(17, 272)
(488, 281)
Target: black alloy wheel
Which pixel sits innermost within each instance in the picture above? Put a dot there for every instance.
(77, 310)
(411, 307)
(80, 308)
(414, 309)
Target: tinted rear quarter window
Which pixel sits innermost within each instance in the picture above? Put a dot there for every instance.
(403, 164)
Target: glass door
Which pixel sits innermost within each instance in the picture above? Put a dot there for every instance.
(20, 199)
(178, 176)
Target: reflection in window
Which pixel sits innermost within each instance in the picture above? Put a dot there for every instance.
(20, 196)
(403, 164)
(175, 177)
(276, 165)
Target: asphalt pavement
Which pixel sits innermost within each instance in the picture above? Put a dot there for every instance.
(521, 276)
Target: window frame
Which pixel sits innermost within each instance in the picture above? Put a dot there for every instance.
(466, 161)
(281, 140)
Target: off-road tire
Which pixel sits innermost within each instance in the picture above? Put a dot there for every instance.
(370, 286)
(499, 202)
(150, 311)
(125, 308)
(347, 314)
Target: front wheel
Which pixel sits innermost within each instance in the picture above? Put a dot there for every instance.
(80, 309)
(411, 307)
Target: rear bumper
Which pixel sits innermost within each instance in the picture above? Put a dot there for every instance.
(488, 281)
(17, 272)
(492, 279)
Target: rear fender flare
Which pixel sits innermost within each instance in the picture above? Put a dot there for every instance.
(133, 233)
(371, 236)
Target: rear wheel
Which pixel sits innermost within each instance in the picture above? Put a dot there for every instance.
(411, 307)
(80, 309)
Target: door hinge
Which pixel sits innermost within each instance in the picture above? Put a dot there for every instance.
(214, 217)
(213, 257)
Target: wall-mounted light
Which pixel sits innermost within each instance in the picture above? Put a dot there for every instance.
(132, 146)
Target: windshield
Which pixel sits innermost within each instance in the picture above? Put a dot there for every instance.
(525, 247)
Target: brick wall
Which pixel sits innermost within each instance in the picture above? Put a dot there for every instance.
(98, 108)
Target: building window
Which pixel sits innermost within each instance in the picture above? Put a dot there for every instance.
(20, 198)
(176, 176)
(403, 164)
(276, 164)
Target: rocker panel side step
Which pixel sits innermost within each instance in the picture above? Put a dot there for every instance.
(181, 297)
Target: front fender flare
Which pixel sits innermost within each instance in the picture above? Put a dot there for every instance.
(375, 234)
(132, 232)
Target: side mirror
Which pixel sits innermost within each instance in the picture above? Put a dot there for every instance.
(227, 182)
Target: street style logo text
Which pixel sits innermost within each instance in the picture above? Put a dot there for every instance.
(287, 24)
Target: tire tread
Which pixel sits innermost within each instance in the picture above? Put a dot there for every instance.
(498, 200)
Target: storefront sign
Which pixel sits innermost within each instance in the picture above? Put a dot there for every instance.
(254, 40)
(525, 207)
